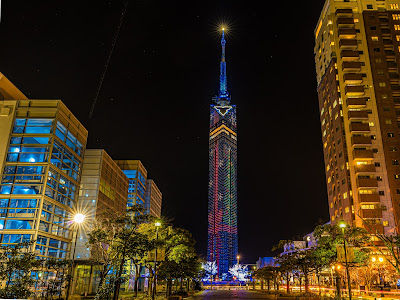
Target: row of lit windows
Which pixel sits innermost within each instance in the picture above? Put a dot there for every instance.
(67, 137)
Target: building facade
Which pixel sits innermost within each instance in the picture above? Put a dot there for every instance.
(137, 175)
(357, 59)
(222, 191)
(42, 146)
(153, 199)
(104, 188)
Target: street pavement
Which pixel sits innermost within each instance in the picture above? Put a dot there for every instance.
(226, 294)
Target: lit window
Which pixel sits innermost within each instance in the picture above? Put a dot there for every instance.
(336, 115)
(334, 104)
(368, 192)
(325, 144)
(398, 38)
(396, 27)
(341, 167)
(390, 134)
(328, 167)
(329, 180)
(385, 223)
(345, 195)
(388, 122)
(397, 176)
(372, 124)
(347, 210)
(374, 38)
(382, 84)
(395, 162)
(324, 132)
(396, 17)
(331, 204)
(394, 6)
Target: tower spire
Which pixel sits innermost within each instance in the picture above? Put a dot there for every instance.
(223, 97)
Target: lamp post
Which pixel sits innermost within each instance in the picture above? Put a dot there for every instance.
(343, 225)
(78, 219)
(157, 224)
(381, 281)
(337, 277)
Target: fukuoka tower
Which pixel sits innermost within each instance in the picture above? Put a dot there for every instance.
(222, 189)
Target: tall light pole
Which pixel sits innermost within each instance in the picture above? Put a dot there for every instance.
(157, 224)
(238, 257)
(343, 225)
(78, 219)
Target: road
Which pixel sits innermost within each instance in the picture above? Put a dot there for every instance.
(224, 294)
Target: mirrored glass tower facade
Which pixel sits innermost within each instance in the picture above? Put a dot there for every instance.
(222, 190)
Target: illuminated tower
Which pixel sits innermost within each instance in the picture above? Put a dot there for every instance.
(222, 189)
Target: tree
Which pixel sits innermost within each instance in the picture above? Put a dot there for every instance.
(239, 271)
(16, 263)
(112, 239)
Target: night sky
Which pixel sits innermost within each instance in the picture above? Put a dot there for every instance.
(154, 102)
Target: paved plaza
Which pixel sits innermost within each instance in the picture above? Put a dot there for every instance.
(228, 294)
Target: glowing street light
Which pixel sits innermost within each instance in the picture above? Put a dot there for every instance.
(343, 225)
(79, 218)
(156, 224)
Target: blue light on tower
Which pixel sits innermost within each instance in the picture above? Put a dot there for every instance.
(222, 190)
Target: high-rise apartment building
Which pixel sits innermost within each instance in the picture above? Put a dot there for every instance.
(222, 190)
(153, 199)
(42, 146)
(137, 175)
(357, 58)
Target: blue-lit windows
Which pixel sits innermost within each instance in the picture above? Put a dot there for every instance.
(141, 191)
(29, 140)
(55, 220)
(132, 186)
(65, 161)
(27, 154)
(70, 139)
(60, 188)
(19, 224)
(16, 238)
(23, 174)
(33, 126)
(18, 209)
(51, 247)
(142, 179)
(130, 173)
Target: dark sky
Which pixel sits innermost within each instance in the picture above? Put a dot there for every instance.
(154, 103)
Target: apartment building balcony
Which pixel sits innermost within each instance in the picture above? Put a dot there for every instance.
(389, 53)
(369, 198)
(356, 102)
(371, 213)
(360, 140)
(365, 168)
(367, 183)
(386, 31)
(394, 76)
(354, 90)
(359, 127)
(391, 65)
(349, 55)
(360, 114)
(348, 44)
(363, 154)
(352, 78)
(347, 33)
(351, 66)
(387, 42)
(395, 88)
(344, 22)
(396, 100)
(344, 12)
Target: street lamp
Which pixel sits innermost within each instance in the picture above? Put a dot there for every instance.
(343, 225)
(78, 219)
(337, 276)
(381, 282)
(238, 257)
(156, 224)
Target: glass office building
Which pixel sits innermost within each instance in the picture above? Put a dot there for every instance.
(41, 154)
(137, 175)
